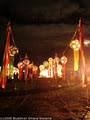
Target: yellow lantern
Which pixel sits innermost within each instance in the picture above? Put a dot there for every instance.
(75, 45)
(45, 63)
(41, 67)
(50, 61)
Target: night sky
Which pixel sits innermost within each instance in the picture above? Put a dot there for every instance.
(43, 27)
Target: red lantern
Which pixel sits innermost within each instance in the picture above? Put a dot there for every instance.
(20, 67)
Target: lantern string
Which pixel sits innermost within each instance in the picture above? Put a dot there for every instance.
(70, 40)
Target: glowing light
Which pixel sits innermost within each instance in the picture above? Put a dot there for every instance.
(63, 60)
(86, 42)
(35, 68)
(20, 65)
(15, 70)
(41, 67)
(14, 50)
(30, 66)
(45, 63)
(75, 44)
(59, 69)
(44, 73)
(48, 68)
(50, 59)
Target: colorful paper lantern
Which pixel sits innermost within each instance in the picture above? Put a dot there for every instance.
(45, 63)
(26, 63)
(20, 67)
(41, 67)
(14, 50)
(75, 46)
(63, 60)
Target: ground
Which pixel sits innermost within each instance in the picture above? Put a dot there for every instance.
(64, 100)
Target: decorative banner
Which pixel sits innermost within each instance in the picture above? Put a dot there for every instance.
(6, 56)
(10, 72)
(76, 59)
(82, 57)
(63, 61)
(75, 46)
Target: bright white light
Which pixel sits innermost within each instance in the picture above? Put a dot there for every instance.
(86, 42)
(44, 73)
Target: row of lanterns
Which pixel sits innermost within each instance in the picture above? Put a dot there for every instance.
(52, 68)
(27, 69)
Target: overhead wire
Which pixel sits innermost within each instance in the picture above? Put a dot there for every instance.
(70, 41)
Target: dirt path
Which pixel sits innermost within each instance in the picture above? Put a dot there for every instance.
(62, 104)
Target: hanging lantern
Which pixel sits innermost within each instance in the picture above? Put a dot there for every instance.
(15, 70)
(14, 50)
(50, 59)
(75, 46)
(20, 65)
(35, 68)
(26, 61)
(26, 64)
(50, 67)
(63, 60)
(45, 63)
(41, 67)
